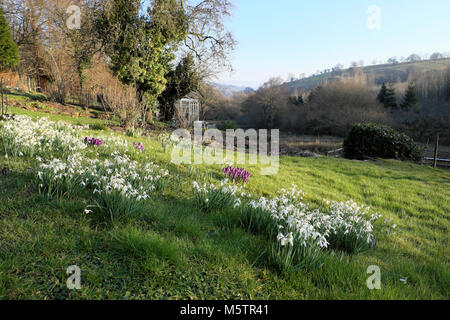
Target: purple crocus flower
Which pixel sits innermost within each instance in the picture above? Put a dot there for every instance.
(138, 146)
(93, 141)
(237, 174)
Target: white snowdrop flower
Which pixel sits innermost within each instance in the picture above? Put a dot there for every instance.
(282, 239)
(290, 239)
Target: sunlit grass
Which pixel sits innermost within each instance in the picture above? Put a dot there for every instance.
(170, 249)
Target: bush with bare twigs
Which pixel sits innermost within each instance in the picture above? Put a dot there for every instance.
(114, 96)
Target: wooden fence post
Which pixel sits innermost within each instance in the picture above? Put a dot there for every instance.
(1, 89)
(6, 102)
(436, 147)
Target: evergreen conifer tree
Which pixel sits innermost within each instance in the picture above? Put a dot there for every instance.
(9, 52)
(411, 99)
(382, 93)
(297, 100)
(390, 98)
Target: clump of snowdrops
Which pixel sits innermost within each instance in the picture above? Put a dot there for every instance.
(302, 237)
(210, 197)
(23, 136)
(119, 185)
(167, 141)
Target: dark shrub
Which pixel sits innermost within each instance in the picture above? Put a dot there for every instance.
(98, 127)
(228, 124)
(368, 140)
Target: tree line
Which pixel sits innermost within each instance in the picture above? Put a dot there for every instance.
(134, 57)
(419, 106)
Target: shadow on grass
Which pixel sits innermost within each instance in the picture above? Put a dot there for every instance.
(30, 96)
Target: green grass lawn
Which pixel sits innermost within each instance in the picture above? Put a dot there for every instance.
(172, 250)
(45, 110)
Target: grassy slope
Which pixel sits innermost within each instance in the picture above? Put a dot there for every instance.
(385, 71)
(23, 99)
(173, 251)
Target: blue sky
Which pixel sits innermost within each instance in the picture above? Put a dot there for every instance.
(276, 38)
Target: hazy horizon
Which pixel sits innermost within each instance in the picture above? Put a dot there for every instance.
(302, 38)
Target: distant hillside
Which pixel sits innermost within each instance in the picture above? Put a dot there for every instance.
(381, 73)
(229, 90)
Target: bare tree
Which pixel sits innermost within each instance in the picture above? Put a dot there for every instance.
(413, 58)
(81, 44)
(115, 97)
(208, 39)
(264, 107)
(437, 56)
(339, 105)
(28, 20)
(393, 60)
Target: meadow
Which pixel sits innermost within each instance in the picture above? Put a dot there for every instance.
(141, 227)
(381, 71)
